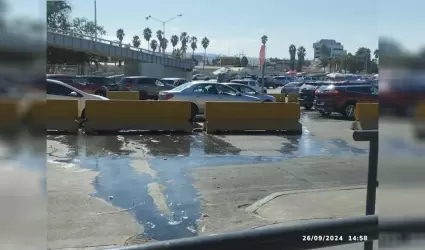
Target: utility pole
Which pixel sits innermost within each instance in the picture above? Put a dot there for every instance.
(95, 21)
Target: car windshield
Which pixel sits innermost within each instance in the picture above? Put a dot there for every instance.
(182, 87)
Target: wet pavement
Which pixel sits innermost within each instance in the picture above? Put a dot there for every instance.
(148, 175)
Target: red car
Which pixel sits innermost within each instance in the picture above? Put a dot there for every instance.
(97, 85)
(343, 98)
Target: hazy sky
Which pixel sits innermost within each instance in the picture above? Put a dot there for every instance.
(236, 26)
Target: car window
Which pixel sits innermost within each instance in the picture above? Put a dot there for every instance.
(159, 83)
(208, 89)
(57, 89)
(225, 90)
(237, 87)
(126, 80)
(247, 90)
(100, 81)
(146, 81)
(168, 81)
(182, 87)
(363, 90)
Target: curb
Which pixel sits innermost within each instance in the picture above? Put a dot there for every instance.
(256, 205)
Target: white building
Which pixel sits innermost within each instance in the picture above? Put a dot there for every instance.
(336, 48)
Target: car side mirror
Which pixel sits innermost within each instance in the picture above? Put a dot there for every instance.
(73, 93)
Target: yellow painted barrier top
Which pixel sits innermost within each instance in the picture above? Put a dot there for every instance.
(9, 110)
(420, 111)
(137, 110)
(251, 110)
(123, 95)
(367, 111)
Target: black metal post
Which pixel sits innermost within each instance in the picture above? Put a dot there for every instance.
(372, 176)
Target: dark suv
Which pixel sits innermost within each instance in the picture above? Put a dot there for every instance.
(343, 98)
(148, 87)
(306, 93)
(97, 85)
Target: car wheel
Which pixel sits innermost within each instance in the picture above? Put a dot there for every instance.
(100, 92)
(143, 95)
(350, 110)
(308, 107)
(322, 113)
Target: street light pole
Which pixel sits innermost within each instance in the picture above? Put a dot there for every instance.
(95, 21)
(163, 23)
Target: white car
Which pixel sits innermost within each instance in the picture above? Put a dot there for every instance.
(249, 82)
(201, 92)
(62, 91)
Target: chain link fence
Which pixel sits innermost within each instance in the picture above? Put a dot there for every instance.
(100, 70)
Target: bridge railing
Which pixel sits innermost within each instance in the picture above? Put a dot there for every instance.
(113, 43)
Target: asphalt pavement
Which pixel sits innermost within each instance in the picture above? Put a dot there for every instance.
(106, 189)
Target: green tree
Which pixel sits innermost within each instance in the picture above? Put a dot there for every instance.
(177, 53)
(136, 41)
(57, 13)
(264, 39)
(292, 54)
(159, 36)
(84, 26)
(193, 45)
(216, 61)
(154, 45)
(363, 55)
(184, 39)
(163, 44)
(236, 62)
(244, 61)
(301, 58)
(376, 54)
(147, 34)
(120, 35)
(174, 41)
(205, 43)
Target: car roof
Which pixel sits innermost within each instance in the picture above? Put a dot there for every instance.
(138, 77)
(63, 84)
(354, 86)
(172, 78)
(89, 76)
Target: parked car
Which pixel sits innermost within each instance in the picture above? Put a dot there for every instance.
(247, 90)
(62, 91)
(291, 88)
(251, 83)
(174, 81)
(268, 82)
(201, 92)
(98, 85)
(343, 98)
(283, 80)
(148, 87)
(198, 77)
(307, 91)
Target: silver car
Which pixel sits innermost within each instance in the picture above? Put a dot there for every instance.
(200, 92)
(247, 90)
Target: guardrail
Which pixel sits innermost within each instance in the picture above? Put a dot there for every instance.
(113, 43)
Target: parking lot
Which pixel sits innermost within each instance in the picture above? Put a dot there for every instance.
(104, 189)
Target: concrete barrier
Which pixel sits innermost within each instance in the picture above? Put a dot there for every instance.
(245, 116)
(59, 115)
(292, 98)
(367, 116)
(123, 95)
(116, 115)
(279, 97)
(419, 121)
(10, 116)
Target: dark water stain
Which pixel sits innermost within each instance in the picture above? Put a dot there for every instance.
(171, 157)
(394, 147)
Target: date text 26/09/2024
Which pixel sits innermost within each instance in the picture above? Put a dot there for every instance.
(349, 238)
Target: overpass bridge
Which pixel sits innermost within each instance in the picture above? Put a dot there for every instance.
(137, 61)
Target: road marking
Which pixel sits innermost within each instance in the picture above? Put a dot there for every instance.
(156, 191)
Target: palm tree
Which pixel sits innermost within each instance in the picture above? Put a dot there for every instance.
(376, 55)
(163, 44)
(136, 41)
(301, 58)
(120, 35)
(264, 39)
(147, 34)
(292, 53)
(205, 43)
(159, 36)
(193, 45)
(154, 45)
(174, 41)
(184, 38)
